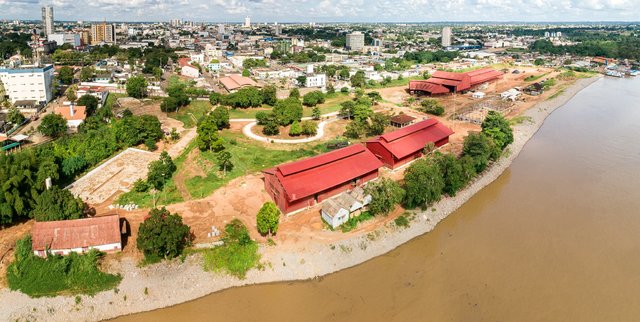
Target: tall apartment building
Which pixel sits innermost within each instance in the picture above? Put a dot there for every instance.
(446, 36)
(247, 22)
(103, 33)
(85, 38)
(28, 83)
(355, 41)
(47, 20)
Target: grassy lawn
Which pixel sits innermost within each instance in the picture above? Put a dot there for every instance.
(192, 113)
(57, 275)
(112, 98)
(331, 104)
(395, 82)
(233, 259)
(534, 78)
(247, 157)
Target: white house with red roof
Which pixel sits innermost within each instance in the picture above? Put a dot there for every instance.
(186, 69)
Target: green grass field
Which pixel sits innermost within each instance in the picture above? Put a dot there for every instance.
(192, 113)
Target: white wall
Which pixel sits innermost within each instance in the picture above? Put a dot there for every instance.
(28, 84)
(108, 248)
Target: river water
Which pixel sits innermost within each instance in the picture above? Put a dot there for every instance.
(555, 238)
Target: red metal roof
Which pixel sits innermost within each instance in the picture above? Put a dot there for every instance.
(413, 138)
(313, 175)
(448, 75)
(483, 75)
(426, 86)
(67, 234)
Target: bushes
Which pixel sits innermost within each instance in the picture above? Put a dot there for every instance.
(244, 98)
(238, 254)
(309, 128)
(137, 87)
(432, 106)
(208, 137)
(56, 275)
(295, 129)
(169, 105)
(287, 111)
(481, 149)
(162, 235)
(160, 171)
(53, 125)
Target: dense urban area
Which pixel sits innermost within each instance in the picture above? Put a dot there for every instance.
(158, 141)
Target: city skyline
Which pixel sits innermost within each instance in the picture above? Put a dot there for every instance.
(284, 11)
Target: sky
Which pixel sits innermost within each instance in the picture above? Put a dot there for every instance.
(327, 10)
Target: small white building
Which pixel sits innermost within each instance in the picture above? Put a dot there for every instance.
(334, 214)
(478, 94)
(317, 80)
(190, 71)
(511, 94)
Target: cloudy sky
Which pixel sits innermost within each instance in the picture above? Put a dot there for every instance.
(328, 10)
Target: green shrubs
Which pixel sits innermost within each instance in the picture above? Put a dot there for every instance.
(238, 255)
(498, 128)
(402, 221)
(268, 218)
(385, 194)
(432, 106)
(55, 275)
(313, 98)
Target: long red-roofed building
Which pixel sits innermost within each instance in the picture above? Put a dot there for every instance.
(404, 145)
(80, 235)
(297, 185)
(448, 82)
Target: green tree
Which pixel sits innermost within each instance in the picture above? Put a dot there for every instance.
(224, 161)
(221, 116)
(169, 105)
(287, 111)
(358, 80)
(538, 62)
(355, 129)
(58, 204)
(162, 235)
(53, 125)
(344, 73)
(270, 125)
(15, 116)
(481, 149)
(294, 93)
(66, 75)
(498, 128)
(302, 80)
(423, 183)
(315, 113)
(160, 171)
(313, 98)
(137, 87)
(71, 93)
(452, 173)
(86, 74)
(208, 137)
(215, 98)
(377, 123)
(374, 96)
(268, 218)
(90, 102)
(244, 97)
(295, 129)
(385, 194)
(269, 95)
(246, 73)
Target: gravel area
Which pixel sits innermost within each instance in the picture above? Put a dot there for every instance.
(176, 282)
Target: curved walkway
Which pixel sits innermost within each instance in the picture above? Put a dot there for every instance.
(247, 130)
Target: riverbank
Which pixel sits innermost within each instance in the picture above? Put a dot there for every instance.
(163, 285)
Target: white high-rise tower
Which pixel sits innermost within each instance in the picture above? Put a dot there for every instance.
(47, 19)
(247, 22)
(446, 36)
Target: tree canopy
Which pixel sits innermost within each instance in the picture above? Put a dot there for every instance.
(162, 235)
(58, 204)
(268, 218)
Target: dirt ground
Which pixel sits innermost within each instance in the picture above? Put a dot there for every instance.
(8, 240)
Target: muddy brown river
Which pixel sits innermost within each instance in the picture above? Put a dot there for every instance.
(555, 238)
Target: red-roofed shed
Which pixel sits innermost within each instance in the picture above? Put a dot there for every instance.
(404, 145)
(79, 235)
(304, 183)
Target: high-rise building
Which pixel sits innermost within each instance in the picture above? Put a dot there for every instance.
(103, 33)
(355, 41)
(47, 19)
(446, 36)
(176, 22)
(221, 29)
(247, 22)
(85, 38)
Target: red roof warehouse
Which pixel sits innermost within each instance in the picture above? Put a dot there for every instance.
(304, 183)
(401, 146)
(447, 82)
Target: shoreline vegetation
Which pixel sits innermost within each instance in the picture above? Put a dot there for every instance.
(157, 286)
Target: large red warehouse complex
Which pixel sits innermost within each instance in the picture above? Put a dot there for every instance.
(447, 82)
(304, 183)
(404, 145)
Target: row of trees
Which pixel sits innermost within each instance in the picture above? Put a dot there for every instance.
(364, 122)
(427, 180)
